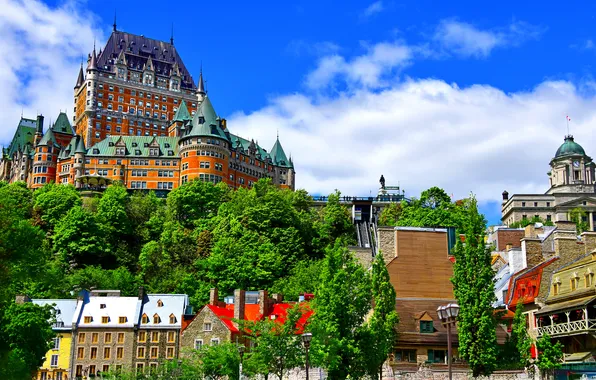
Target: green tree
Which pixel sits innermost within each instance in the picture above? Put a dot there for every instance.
(390, 215)
(433, 209)
(474, 290)
(52, 202)
(112, 218)
(98, 278)
(579, 216)
(303, 278)
(520, 337)
(382, 326)
(219, 361)
(336, 222)
(526, 222)
(17, 200)
(196, 200)
(277, 346)
(550, 355)
(78, 240)
(26, 335)
(341, 303)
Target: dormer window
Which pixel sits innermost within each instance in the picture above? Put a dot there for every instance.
(574, 281)
(146, 145)
(102, 306)
(159, 303)
(95, 151)
(134, 144)
(556, 286)
(88, 319)
(589, 278)
(156, 319)
(201, 120)
(122, 320)
(105, 320)
(427, 327)
(172, 319)
(145, 319)
(166, 145)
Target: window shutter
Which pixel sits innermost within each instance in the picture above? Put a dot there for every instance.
(431, 356)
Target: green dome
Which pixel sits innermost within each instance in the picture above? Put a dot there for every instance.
(569, 147)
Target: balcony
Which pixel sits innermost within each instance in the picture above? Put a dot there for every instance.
(568, 328)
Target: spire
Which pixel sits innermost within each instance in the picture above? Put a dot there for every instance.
(201, 88)
(114, 25)
(93, 62)
(172, 35)
(81, 77)
(149, 64)
(278, 155)
(121, 58)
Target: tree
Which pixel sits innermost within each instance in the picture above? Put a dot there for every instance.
(474, 290)
(520, 337)
(382, 326)
(526, 222)
(303, 278)
(579, 217)
(219, 361)
(277, 346)
(336, 222)
(17, 200)
(52, 203)
(26, 334)
(113, 220)
(340, 305)
(433, 209)
(390, 215)
(550, 355)
(196, 200)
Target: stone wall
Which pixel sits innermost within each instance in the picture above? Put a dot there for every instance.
(387, 243)
(363, 255)
(196, 330)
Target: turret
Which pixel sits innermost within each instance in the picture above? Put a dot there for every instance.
(38, 129)
(80, 78)
(201, 87)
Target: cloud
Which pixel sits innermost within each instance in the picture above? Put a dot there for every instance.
(466, 40)
(423, 133)
(372, 9)
(367, 70)
(41, 49)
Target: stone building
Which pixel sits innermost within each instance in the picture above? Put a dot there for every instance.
(571, 185)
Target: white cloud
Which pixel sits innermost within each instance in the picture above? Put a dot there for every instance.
(374, 8)
(423, 133)
(41, 50)
(468, 41)
(367, 70)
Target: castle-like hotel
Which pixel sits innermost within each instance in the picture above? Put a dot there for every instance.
(140, 119)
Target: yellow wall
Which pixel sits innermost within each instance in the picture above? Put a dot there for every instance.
(63, 356)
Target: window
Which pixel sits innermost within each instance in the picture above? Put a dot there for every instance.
(88, 319)
(155, 336)
(121, 319)
(91, 370)
(153, 353)
(56, 343)
(207, 326)
(405, 356)
(171, 336)
(81, 338)
(142, 336)
(119, 352)
(107, 338)
(156, 318)
(79, 371)
(556, 289)
(548, 218)
(93, 354)
(141, 352)
(437, 356)
(523, 204)
(198, 344)
(535, 204)
(54, 361)
(44, 376)
(105, 320)
(106, 352)
(105, 368)
(214, 341)
(426, 327)
(547, 204)
(589, 278)
(145, 318)
(94, 337)
(172, 317)
(170, 352)
(81, 353)
(574, 282)
(524, 217)
(140, 367)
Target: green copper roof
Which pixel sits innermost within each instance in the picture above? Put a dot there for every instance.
(239, 142)
(25, 134)
(569, 147)
(47, 138)
(136, 146)
(182, 114)
(80, 148)
(75, 145)
(62, 125)
(205, 122)
(278, 155)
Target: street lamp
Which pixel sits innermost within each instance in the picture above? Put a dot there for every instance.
(306, 338)
(448, 315)
(241, 352)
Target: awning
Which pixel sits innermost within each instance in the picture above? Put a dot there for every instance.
(565, 306)
(578, 357)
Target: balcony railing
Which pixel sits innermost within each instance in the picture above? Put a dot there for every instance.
(568, 328)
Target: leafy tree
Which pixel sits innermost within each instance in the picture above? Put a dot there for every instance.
(579, 217)
(520, 337)
(526, 222)
(336, 221)
(382, 326)
(303, 278)
(196, 200)
(78, 240)
(52, 202)
(390, 215)
(277, 346)
(474, 289)
(98, 278)
(433, 209)
(550, 355)
(341, 303)
(112, 218)
(26, 333)
(153, 261)
(17, 200)
(219, 361)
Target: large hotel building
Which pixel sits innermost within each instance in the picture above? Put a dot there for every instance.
(140, 119)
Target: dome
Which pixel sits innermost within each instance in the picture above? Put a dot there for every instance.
(569, 147)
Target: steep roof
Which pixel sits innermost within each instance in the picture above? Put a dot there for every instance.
(279, 156)
(65, 311)
(240, 142)
(136, 146)
(170, 304)
(48, 138)
(76, 145)
(112, 307)
(535, 274)
(182, 114)
(62, 125)
(205, 122)
(23, 136)
(80, 78)
(138, 50)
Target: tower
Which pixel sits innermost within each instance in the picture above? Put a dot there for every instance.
(572, 170)
(284, 168)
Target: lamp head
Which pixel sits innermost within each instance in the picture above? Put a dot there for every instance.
(306, 338)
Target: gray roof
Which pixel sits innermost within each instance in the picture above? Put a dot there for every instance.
(172, 304)
(65, 311)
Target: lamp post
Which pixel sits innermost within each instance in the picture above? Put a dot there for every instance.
(448, 315)
(306, 338)
(241, 352)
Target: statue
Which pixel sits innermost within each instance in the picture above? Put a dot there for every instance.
(382, 180)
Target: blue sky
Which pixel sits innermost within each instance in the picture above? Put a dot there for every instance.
(471, 96)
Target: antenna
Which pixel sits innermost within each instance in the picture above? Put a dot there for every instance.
(172, 35)
(568, 120)
(114, 25)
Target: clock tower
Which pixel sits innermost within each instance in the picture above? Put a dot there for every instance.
(572, 171)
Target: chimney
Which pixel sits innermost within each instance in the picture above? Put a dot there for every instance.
(505, 196)
(39, 124)
(567, 247)
(213, 297)
(530, 231)
(141, 293)
(239, 303)
(263, 303)
(589, 240)
(22, 298)
(277, 298)
(532, 251)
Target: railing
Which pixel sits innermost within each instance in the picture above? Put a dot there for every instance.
(566, 328)
(380, 198)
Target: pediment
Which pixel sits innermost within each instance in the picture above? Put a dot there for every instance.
(579, 202)
(423, 316)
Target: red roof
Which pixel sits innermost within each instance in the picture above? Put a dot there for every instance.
(252, 314)
(525, 284)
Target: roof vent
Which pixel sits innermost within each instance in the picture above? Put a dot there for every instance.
(111, 143)
(102, 306)
(146, 145)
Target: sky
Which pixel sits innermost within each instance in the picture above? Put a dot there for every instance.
(467, 96)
